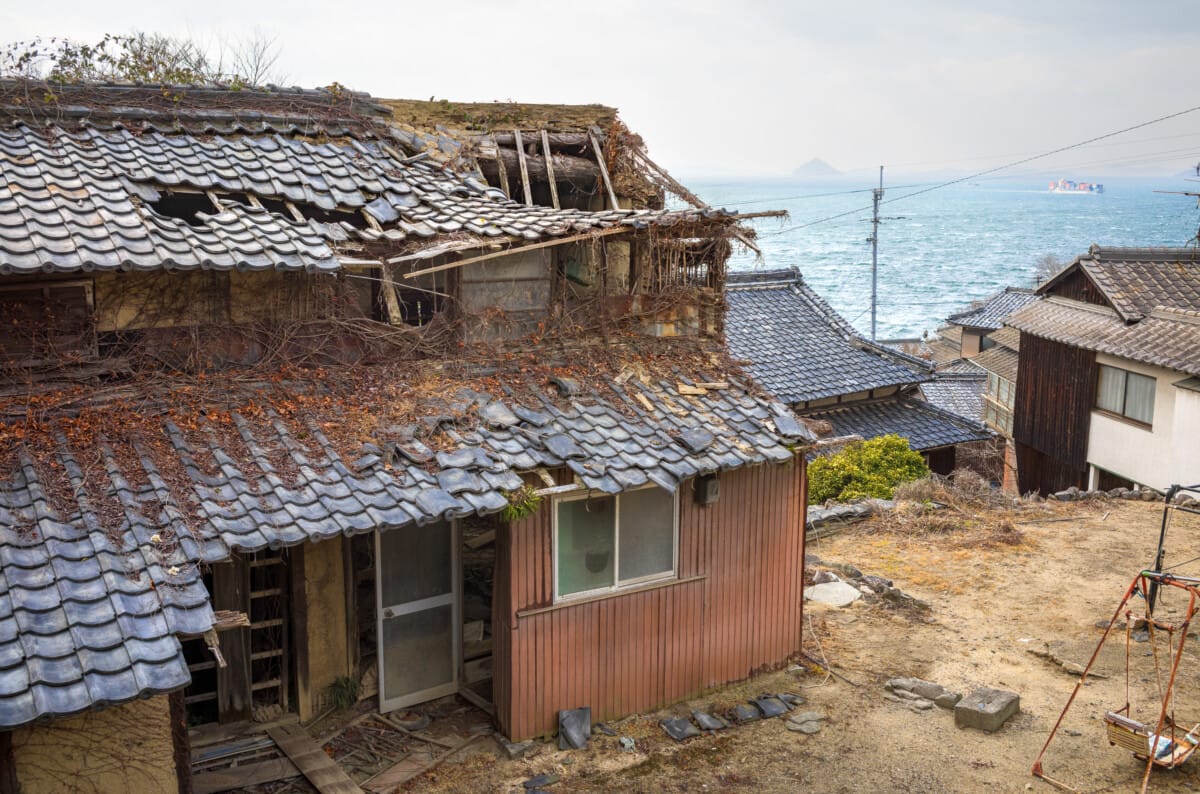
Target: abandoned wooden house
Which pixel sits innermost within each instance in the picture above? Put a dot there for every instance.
(1108, 377)
(806, 355)
(286, 399)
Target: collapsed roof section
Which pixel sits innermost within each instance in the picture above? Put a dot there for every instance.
(120, 177)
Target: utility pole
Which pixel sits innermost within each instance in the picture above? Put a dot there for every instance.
(877, 194)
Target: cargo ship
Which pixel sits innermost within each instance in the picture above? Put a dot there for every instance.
(1067, 186)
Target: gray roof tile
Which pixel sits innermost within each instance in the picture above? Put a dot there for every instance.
(925, 426)
(798, 348)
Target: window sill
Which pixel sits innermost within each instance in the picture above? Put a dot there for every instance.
(1125, 420)
(574, 602)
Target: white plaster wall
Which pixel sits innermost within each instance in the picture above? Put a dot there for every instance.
(1147, 457)
(1185, 458)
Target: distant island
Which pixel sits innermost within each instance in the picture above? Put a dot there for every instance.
(816, 167)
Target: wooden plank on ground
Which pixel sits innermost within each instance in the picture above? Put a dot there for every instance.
(321, 770)
(238, 777)
(550, 168)
(407, 770)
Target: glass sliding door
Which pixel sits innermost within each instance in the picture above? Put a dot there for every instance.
(419, 627)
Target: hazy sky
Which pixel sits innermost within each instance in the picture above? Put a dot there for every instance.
(751, 87)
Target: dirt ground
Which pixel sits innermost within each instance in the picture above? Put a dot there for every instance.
(991, 605)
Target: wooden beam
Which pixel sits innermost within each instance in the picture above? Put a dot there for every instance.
(550, 169)
(8, 765)
(231, 591)
(521, 249)
(524, 168)
(612, 196)
(321, 770)
(392, 303)
(503, 171)
(741, 216)
(180, 742)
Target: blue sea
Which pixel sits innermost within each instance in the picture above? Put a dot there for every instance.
(942, 249)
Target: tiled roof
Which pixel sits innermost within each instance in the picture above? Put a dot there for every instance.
(989, 313)
(90, 607)
(76, 196)
(799, 348)
(1166, 337)
(1138, 280)
(999, 360)
(959, 393)
(925, 426)
(1007, 337)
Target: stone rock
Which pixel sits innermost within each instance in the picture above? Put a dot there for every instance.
(917, 686)
(627, 744)
(411, 720)
(920, 704)
(807, 716)
(847, 570)
(812, 560)
(1150, 495)
(825, 577)
(877, 583)
(1118, 493)
(810, 727)
(986, 709)
(600, 727)
(947, 701)
(837, 594)
(1068, 495)
(708, 721)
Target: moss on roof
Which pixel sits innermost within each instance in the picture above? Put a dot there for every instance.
(488, 116)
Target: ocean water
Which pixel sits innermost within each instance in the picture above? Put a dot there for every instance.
(940, 250)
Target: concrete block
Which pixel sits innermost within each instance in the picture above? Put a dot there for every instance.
(986, 709)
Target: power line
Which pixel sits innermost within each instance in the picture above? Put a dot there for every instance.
(988, 171)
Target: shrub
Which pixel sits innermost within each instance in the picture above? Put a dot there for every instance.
(864, 468)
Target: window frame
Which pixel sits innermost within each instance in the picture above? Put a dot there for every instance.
(1122, 415)
(618, 585)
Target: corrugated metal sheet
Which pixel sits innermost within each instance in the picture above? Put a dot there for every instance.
(736, 608)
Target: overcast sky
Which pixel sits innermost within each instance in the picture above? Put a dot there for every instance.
(751, 87)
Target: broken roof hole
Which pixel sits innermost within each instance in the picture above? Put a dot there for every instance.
(183, 206)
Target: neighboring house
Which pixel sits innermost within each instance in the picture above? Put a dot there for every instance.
(268, 365)
(1106, 393)
(806, 355)
(976, 368)
(975, 325)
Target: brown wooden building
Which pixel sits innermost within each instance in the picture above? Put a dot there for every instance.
(289, 401)
(1105, 393)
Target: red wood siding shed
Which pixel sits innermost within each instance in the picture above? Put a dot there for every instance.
(735, 609)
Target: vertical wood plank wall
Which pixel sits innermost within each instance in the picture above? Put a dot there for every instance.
(640, 650)
(1056, 388)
